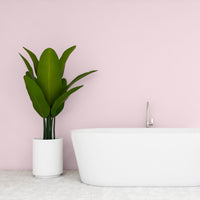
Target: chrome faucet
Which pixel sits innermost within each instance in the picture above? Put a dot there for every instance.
(149, 122)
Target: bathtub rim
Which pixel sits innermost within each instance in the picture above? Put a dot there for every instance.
(135, 130)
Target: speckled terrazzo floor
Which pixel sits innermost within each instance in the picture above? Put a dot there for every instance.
(21, 185)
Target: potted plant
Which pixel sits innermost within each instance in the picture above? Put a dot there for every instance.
(48, 91)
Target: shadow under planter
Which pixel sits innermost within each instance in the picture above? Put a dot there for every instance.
(47, 158)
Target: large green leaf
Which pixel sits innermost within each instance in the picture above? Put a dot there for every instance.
(60, 108)
(64, 58)
(34, 59)
(64, 85)
(37, 97)
(58, 102)
(79, 77)
(29, 75)
(49, 75)
(28, 66)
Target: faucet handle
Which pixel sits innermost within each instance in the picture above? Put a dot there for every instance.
(151, 122)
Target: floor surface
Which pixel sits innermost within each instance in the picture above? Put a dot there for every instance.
(21, 185)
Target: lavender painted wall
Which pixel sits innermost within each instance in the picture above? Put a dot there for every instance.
(144, 50)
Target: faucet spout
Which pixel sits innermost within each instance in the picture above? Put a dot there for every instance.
(149, 122)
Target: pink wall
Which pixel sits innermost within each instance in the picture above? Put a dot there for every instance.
(144, 50)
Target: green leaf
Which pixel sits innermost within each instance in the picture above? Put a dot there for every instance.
(59, 109)
(49, 75)
(29, 75)
(64, 84)
(58, 102)
(28, 66)
(34, 59)
(64, 58)
(79, 77)
(37, 97)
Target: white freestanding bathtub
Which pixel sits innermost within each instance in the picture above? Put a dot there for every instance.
(138, 156)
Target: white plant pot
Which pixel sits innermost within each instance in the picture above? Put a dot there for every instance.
(47, 158)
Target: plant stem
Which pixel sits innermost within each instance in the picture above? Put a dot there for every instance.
(44, 129)
(49, 127)
(54, 122)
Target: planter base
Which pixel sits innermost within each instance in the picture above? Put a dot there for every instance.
(46, 177)
(47, 158)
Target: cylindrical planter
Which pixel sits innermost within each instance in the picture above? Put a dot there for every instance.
(47, 158)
